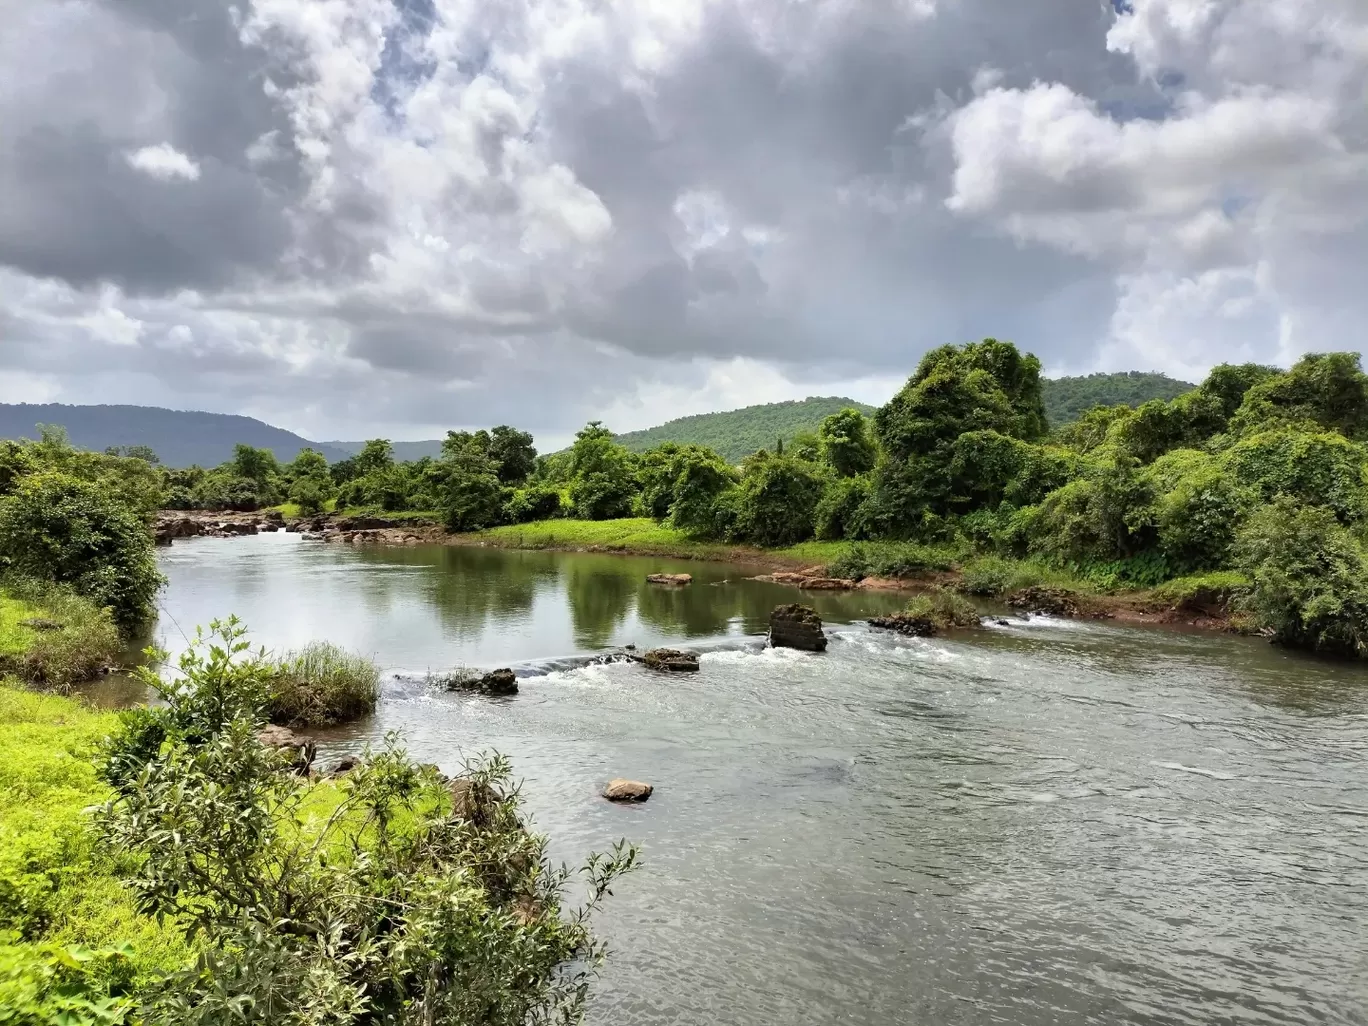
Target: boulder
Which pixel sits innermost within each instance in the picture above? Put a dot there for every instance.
(670, 578)
(670, 660)
(499, 682)
(622, 790)
(795, 626)
(903, 623)
(1049, 601)
(284, 739)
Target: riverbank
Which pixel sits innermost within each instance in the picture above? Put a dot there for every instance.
(1202, 602)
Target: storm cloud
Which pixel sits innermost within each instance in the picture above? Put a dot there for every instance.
(357, 216)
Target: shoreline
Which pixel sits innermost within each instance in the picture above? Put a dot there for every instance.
(801, 567)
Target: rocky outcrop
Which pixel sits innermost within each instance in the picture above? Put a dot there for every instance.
(495, 682)
(286, 740)
(795, 626)
(1047, 601)
(343, 766)
(671, 660)
(907, 624)
(675, 579)
(622, 790)
(810, 579)
(826, 584)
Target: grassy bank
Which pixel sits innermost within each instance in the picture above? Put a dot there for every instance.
(51, 637)
(58, 887)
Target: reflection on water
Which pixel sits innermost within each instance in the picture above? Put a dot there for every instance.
(1051, 822)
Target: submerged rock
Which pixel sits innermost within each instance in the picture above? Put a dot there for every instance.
(499, 682)
(670, 578)
(670, 660)
(795, 626)
(623, 790)
(1049, 601)
(905, 623)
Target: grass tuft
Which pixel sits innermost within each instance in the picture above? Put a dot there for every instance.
(52, 637)
(999, 576)
(944, 608)
(321, 685)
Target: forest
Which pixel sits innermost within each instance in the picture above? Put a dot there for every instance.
(1250, 484)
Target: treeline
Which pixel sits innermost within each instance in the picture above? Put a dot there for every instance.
(1066, 399)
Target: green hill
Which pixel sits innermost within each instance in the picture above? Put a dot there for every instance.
(738, 433)
(1066, 398)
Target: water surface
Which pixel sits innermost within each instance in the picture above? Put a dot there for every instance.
(1050, 822)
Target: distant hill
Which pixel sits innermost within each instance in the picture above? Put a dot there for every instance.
(403, 451)
(736, 434)
(1066, 398)
(179, 437)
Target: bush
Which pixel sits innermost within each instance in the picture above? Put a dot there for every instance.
(780, 496)
(1324, 469)
(76, 641)
(1203, 591)
(394, 896)
(535, 502)
(58, 528)
(906, 559)
(322, 685)
(1310, 578)
(998, 576)
(838, 513)
(1198, 508)
(943, 608)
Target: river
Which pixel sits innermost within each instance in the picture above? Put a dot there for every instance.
(1048, 822)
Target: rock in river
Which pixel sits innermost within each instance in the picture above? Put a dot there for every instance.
(670, 659)
(670, 578)
(499, 682)
(904, 623)
(1048, 601)
(621, 790)
(284, 739)
(795, 626)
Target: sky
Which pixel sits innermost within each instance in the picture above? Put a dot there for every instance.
(361, 217)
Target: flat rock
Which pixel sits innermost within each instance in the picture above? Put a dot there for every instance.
(795, 626)
(284, 739)
(826, 584)
(670, 578)
(670, 659)
(623, 790)
(911, 626)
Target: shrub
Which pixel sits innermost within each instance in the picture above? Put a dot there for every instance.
(997, 576)
(846, 444)
(1198, 508)
(943, 608)
(1103, 515)
(1310, 578)
(838, 513)
(321, 685)
(905, 559)
(535, 502)
(75, 640)
(1203, 591)
(1319, 469)
(69, 985)
(780, 496)
(57, 528)
(393, 896)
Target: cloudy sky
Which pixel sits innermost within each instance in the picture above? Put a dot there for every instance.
(358, 216)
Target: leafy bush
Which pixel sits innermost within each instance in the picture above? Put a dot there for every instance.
(535, 502)
(394, 896)
(998, 576)
(1104, 515)
(779, 497)
(1203, 591)
(601, 475)
(321, 685)
(1326, 389)
(944, 608)
(74, 640)
(1198, 508)
(905, 559)
(58, 528)
(838, 514)
(1310, 578)
(846, 443)
(1318, 469)
(64, 985)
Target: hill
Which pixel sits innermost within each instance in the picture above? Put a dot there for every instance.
(179, 437)
(1066, 398)
(403, 451)
(738, 433)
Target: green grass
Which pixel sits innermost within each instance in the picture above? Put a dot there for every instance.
(999, 576)
(57, 883)
(425, 516)
(1202, 590)
(83, 639)
(321, 685)
(634, 534)
(944, 608)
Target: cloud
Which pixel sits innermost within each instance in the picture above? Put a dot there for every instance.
(164, 162)
(413, 214)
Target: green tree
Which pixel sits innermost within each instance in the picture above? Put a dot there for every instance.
(1310, 577)
(56, 527)
(472, 497)
(701, 476)
(1229, 383)
(1198, 508)
(601, 475)
(1328, 389)
(846, 443)
(779, 496)
(839, 513)
(255, 464)
(512, 450)
(1319, 469)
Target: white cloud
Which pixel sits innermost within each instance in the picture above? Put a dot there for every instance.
(164, 162)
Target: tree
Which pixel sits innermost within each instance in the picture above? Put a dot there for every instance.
(514, 453)
(1310, 577)
(839, 512)
(601, 475)
(135, 452)
(1328, 389)
(1229, 383)
(258, 465)
(1199, 506)
(1318, 468)
(376, 454)
(700, 477)
(846, 444)
(779, 496)
(56, 527)
(471, 496)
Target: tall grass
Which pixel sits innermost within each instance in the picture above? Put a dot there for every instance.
(321, 685)
(999, 576)
(52, 637)
(944, 608)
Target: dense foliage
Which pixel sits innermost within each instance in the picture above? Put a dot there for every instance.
(1066, 399)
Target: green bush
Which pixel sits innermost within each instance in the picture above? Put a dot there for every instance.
(779, 497)
(534, 502)
(1203, 591)
(67, 985)
(321, 685)
(393, 896)
(58, 528)
(73, 639)
(846, 444)
(1198, 508)
(838, 514)
(602, 475)
(944, 608)
(999, 576)
(887, 559)
(1310, 578)
(1318, 469)
(1104, 515)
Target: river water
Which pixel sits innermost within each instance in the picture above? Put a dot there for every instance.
(1048, 822)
